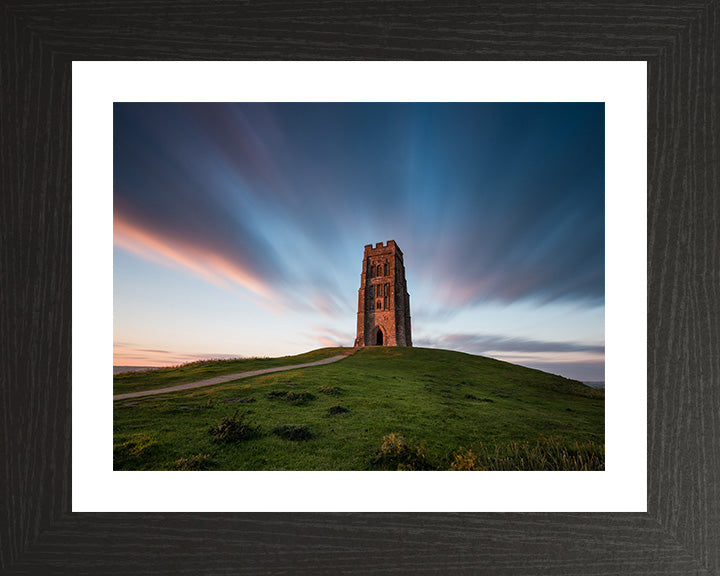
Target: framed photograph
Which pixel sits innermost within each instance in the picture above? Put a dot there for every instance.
(495, 190)
(652, 509)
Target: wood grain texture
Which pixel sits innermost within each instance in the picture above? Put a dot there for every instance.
(681, 532)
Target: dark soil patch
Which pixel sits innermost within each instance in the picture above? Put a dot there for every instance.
(294, 432)
(473, 397)
(333, 410)
(293, 397)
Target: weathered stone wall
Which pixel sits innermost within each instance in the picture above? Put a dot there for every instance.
(383, 300)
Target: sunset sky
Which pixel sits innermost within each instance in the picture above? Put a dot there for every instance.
(239, 228)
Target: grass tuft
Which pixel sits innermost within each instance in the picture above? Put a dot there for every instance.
(396, 453)
(196, 462)
(233, 429)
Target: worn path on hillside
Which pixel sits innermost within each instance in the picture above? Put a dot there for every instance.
(226, 378)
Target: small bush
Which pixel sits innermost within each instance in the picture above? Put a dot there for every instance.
(337, 409)
(294, 432)
(293, 397)
(396, 453)
(197, 462)
(233, 429)
(331, 390)
(465, 460)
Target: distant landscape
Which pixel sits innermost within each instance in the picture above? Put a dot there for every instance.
(382, 408)
(121, 369)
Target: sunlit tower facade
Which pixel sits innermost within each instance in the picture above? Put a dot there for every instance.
(383, 317)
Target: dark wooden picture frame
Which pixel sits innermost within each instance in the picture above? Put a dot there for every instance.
(680, 533)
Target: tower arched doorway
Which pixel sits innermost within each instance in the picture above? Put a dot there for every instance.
(379, 338)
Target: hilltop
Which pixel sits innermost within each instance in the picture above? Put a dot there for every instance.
(380, 408)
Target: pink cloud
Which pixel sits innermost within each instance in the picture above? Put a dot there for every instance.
(210, 266)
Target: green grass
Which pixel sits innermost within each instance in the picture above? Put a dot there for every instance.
(543, 454)
(450, 410)
(203, 369)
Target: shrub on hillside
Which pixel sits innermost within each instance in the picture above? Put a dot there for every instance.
(294, 432)
(331, 390)
(233, 429)
(465, 460)
(398, 454)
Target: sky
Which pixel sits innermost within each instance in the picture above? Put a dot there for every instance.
(239, 228)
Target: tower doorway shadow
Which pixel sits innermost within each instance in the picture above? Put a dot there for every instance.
(379, 340)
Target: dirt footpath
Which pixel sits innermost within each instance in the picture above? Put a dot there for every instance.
(226, 378)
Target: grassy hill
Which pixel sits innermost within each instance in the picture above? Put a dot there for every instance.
(382, 408)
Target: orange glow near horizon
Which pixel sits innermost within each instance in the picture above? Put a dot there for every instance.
(124, 355)
(172, 252)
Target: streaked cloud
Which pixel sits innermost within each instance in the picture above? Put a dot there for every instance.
(209, 264)
(486, 343)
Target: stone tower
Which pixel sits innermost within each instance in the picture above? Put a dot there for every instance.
(383, 302)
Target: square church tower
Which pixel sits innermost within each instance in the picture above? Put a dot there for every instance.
(383, 317)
